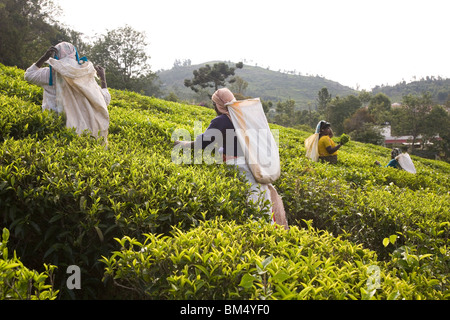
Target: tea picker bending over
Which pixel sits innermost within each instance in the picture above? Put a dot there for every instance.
(393, 163)
(400, 160)
(233, 153)
(70, 88)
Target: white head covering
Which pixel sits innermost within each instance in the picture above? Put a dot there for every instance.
(65, 50)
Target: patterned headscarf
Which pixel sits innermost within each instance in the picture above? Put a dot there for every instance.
(221, 98)
(66, 50)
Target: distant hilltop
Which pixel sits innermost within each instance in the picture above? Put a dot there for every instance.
(263, 83)
(277, 86)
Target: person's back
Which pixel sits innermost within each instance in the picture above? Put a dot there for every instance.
(70, 88)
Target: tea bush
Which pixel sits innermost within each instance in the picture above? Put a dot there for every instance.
(225, 260)
(65, 198)
(367, 204)
(19, 282)
(13, 84)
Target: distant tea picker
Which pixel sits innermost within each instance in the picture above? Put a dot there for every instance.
(320, 146)
(70, 88)
(400, 160)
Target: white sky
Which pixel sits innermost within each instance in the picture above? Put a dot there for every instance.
(353, 42)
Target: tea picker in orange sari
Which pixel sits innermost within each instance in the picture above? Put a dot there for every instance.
(70, 88)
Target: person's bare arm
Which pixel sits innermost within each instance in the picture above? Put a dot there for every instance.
(101, 74)
(49, 54)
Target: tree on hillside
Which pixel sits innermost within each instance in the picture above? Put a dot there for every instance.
(122, 52)
(409, 120)
(239, 85)
(212, 77)
(437, 130)
(380, 107)
(341, 109)
(361, 127)
(365, 97)
(285, 113)
(308, 118)
(323, 100)
(181, 63)
(358, 118)
(436, 122)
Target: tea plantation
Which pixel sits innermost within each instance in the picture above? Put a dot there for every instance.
(142, 227)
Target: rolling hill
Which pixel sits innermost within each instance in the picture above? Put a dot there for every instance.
(279, 86)
(263, 83)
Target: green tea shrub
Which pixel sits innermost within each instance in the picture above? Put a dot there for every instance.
(65, 198)
(13, 84)
(19, 119)
(69, 198)
(367, 204)
(225, 260)
(17, 282)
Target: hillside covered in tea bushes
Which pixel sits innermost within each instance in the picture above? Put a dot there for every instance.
(142, 227)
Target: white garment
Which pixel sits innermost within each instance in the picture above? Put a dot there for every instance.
(262, 192)
(41, 76)
(258, 192)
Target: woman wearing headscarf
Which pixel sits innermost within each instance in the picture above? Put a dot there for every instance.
(221, 124)
(393, 163)
(234, 155)
(328, 150)
(70, 88)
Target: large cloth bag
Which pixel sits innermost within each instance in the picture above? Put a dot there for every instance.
(406, 163)
(261, 163)
(256, 139)
(312, 144)
(80, 97)
(312, 147)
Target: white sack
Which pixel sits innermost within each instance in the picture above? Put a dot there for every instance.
(406, 163)
(257, 142)
(80, 97)
(312, 147)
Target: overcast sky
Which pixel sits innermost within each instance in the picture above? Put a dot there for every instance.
(353, 42)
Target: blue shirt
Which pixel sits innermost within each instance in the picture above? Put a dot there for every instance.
(221, 127)
(393, 163)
